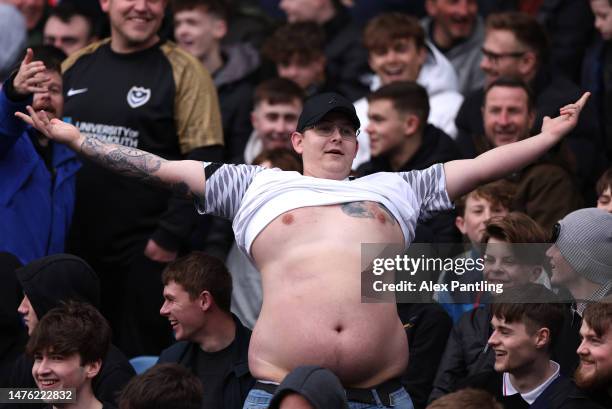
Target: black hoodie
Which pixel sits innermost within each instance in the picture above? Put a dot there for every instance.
(47, 282)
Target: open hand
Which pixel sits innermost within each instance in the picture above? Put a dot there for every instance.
(567, 119)
(31, 76)
(54, 129)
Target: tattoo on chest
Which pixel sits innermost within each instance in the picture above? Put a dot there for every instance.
(368, 210)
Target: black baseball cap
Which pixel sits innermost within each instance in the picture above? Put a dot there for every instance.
(317, 106)
(317, 385)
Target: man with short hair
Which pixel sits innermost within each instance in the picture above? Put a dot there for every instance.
(159, 98)
(163, 386)
(68, 347)
(516, 45)
(199, 28)
(402, 140)
(545, 190)
(69, 28)
(213, 343)
(457, 30)
(581, 256)
(37, 190)
(398, 51)
(277, 105)
(594, 374)
(345, 57)
(297, 50)
(526, 322)
(304, 233)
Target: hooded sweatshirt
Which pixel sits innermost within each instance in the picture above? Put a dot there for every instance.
(438, 77)
(47, 282)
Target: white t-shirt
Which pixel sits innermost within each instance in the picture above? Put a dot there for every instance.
(532, 395)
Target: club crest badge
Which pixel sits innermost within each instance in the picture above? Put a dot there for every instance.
(138, 96)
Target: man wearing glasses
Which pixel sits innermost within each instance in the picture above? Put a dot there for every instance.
(304, 233)
(516, 45)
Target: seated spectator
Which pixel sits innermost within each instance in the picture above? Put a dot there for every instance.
(12, 39)
(473, 211)
(277, 107)
(37, 193)
(310, 387)
(510, 265)
(69, 28)
(68, 347)
(581, 255)
(398, 51)
(516, 46)
(545, 190)
(526, 323)
(199, 29)
(212, 342)
(297, 50)
(402, 140)
(594, 374)
(457, 30)
(46, 283)
(346, 58)
(467, 398)
(604, 191)
(164, 386)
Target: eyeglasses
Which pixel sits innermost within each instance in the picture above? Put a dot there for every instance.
(496, 57)
(556, 230)
(326, 129)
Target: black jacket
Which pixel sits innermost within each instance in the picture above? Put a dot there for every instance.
(562, 393)
(467, 352)
(437, 147)
(347, 59)
(427, 327)
(238, 379)
(62, 277)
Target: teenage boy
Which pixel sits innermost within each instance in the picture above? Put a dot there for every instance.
(68, 346)
(398, 51)
(473, 211)
(526, 322)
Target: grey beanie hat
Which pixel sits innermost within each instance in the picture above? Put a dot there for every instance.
(12, 38)
(585, 241)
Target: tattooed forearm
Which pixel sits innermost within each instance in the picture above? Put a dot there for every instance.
(368, 210)
(129, 162)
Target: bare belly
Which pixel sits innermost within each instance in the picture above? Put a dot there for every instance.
(310, 259)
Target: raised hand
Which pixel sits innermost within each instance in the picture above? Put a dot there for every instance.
(567, 119)
(31, 76)
(54, 129)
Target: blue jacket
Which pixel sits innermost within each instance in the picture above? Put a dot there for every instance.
(36, 206)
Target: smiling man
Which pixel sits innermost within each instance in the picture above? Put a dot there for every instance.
(158, 98)
(305, 233)
(213, 343)
(524, 331)
(68, 347)
(595, 371)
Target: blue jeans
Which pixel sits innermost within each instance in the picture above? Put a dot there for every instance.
(400, 399)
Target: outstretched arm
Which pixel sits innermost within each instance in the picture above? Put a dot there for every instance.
(185, 176)
(463, 176)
